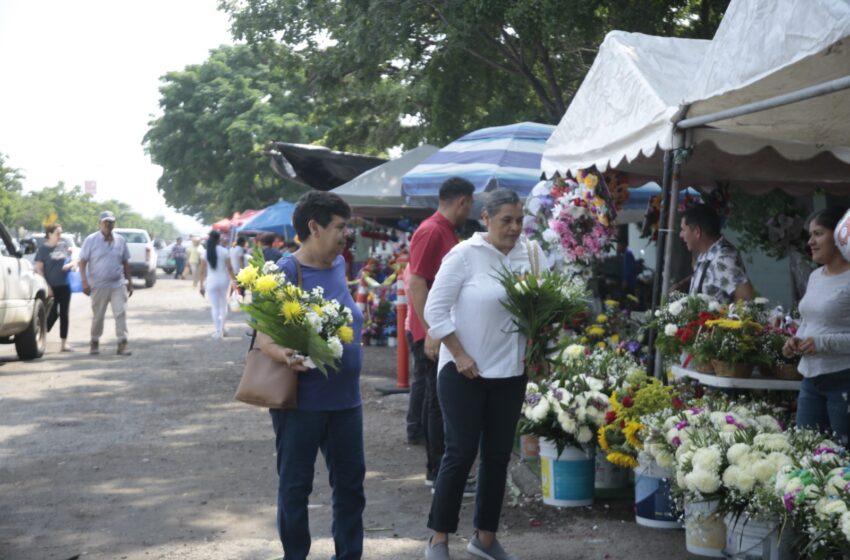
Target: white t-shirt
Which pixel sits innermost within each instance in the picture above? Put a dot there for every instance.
(217, 276)
(237, 259)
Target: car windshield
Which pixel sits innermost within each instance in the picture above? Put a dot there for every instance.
(134, 237)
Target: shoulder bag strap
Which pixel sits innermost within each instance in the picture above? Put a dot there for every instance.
(300, 279)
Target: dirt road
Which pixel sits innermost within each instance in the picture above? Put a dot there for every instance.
(148, 457)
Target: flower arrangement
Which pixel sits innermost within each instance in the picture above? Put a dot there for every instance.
(735, 340)
(609, 365)
(565, 409)
(542, 306)
(621, 437)
(679, 320)
(296, 318)
(571, 219)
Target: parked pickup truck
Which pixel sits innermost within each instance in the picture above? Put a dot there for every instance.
(142, 254)
(24, 301)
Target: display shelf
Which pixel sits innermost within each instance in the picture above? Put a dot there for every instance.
(754, 382)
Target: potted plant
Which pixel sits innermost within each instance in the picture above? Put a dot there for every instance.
(678, 322)
(736, 346)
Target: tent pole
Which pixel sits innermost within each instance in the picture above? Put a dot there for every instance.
(811, 92)
(653, 365)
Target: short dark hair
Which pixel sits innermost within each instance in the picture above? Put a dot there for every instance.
(704, 217)
(268, 239)
(320, 206)
(240, 240)
(828, 217)
(455, 187)
(51, 228)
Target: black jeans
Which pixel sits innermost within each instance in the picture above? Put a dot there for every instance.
(432, 414)
(415, 409)
(478, 412)
(61, 303)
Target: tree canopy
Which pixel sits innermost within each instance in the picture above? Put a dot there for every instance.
(217, 120)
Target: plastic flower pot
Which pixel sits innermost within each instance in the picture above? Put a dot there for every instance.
(608, 475)
(566, 479)
(705, 529)
(747, 537)
(653, 504)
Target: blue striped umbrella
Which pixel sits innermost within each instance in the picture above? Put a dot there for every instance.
(500, 156)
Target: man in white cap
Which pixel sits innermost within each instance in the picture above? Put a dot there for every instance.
(105, 271)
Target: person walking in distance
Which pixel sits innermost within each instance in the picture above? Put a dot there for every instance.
(194, 260)
(178, 253)
(52, 260)
(105, 272)
(216, 279)
(433, 239)
(270, 252)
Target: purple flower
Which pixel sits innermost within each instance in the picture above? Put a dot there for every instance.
(532, 399)
(696, 409)
(732, 422)
(788, 500)
(676, 442)
(822, 450)
(682, 424)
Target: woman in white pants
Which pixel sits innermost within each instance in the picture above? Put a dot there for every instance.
(216, 280)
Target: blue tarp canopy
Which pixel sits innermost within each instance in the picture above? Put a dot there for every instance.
(500, 156)
(277, 218)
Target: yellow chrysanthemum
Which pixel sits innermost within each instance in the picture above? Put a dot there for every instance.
(630, 431)
(622, 460)
(614, 339)
(318, 309)
(247, 275)
(612, 303)
(601, 318)
(601, 345)
(603, 441)
(595, 330)
(265, 284)
(345, 334)
(292, 311)
(590, 181)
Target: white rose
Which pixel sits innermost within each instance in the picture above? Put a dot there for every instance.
(675, 308)
(670, 329)
(713, 306)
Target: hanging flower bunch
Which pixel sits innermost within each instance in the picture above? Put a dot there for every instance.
(571, 219)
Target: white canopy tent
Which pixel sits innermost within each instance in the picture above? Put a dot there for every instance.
(377, 193)
(763, 48)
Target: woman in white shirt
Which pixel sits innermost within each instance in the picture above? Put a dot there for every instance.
(481, 381)
(216, 278)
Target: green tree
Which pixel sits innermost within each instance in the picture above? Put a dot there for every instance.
(454, 65)
(217, 121)
(10, 191)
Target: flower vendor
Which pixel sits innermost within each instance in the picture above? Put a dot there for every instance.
(719, 270)
(823, 339)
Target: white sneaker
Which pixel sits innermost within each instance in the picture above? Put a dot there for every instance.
(216, 335)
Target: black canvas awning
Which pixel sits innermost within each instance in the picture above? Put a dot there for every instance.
(318, 167)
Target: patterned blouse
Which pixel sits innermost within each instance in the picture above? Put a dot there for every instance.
(718, 272)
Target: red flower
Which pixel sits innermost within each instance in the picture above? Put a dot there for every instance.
(699, 392)
(628, 402)
(678, 404)
(610, 416)
(622, 424)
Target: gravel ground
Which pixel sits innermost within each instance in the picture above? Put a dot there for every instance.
(148, 457)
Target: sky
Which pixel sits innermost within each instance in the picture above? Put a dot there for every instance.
(81, 82)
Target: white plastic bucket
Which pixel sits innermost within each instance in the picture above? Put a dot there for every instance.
(747, 537)
(653, 505)
(566, 479)
(705, 529)
(608, 475)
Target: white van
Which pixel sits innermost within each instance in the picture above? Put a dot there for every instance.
(142, 254)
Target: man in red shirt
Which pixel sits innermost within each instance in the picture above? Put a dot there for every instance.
(432, 240)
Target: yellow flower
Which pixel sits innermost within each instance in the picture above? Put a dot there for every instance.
(601, 344)
(601, 318)
(622, 460)
(603, 441)
(247, 275)
(612, 303)
(345, 334)
(292, 311)
(590, 181)
(630, 431)
(614, 339)
(584, 340)
(317, 309)
(265, 284)
(595, 330)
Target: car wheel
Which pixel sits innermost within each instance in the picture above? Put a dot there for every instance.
(168, 270)
(150, 279)
(31, 343)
